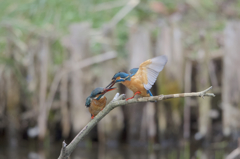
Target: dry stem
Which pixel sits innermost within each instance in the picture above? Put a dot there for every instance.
(117, 101)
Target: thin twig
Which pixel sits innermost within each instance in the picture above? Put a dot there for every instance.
(117, 101)
(108, 5)
(123, 12)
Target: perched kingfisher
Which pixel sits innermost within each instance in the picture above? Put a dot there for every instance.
(97, 101)
(140, 80)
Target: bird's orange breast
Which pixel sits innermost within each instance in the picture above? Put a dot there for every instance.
(136, 85)
(97, 105)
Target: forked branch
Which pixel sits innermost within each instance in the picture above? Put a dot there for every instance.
(118, 101)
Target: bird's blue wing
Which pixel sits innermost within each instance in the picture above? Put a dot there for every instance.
(133, 71)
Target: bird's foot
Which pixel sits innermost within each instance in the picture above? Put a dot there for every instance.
(92, 117)
(134, 95)
(129, 98)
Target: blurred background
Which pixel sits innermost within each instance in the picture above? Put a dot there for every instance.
(53, 53)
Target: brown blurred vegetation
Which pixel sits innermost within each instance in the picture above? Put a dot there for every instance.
(54, 53)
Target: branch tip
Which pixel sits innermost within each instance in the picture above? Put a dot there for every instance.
(122, 96)
(210, 94)
(116, 97)
(204, 93)
(64, 145)
(206, 90)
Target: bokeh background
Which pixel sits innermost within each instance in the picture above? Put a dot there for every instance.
(53, 53)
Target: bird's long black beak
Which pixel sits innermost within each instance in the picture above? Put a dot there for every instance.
(108, 89)
(111, 84)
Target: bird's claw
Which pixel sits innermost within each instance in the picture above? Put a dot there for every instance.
(129, 98)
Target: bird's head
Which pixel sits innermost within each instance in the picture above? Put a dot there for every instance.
(118, 78)
(97, 93)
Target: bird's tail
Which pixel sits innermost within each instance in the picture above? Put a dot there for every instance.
(88, 101)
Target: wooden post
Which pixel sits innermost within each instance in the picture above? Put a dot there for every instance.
(12, 112)
(78, 44)
(43, 61)
(162, 47)
(231, 78)
(150, 122)
(204, 121)
(171, 79)
(2, 92)
(187, 88)
(139, 124)
(177, 69)
(65, 120)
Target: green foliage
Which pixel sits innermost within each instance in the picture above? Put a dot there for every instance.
(58, 53)
(22, 21)
(57, 13)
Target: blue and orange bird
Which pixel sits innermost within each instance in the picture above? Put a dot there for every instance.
(140, 80)
(97, 101)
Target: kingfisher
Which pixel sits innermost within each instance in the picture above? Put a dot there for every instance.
(140, 80)
(97, 101)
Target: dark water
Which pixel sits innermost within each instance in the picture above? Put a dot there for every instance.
(33, 150)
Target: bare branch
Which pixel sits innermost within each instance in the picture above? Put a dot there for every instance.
(117, 101)
(123, 12)
(108, 5)
(63, 153)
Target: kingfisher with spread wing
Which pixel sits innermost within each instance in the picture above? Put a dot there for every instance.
(140, 80)
(97, 101)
